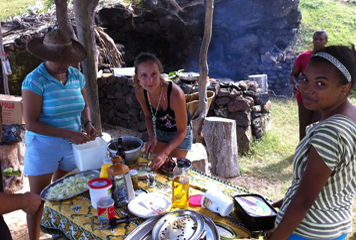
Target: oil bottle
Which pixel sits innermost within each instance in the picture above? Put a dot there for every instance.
(180, 187)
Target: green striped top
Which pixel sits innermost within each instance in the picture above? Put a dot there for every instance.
(331, 214)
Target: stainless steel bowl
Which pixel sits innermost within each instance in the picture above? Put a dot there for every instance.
(129, 142)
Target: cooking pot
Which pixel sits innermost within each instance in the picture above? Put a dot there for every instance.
(133, 144)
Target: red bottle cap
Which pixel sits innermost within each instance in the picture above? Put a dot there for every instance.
(195, 200)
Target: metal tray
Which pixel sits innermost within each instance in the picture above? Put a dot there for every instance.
(194, 227)
(189, 76)
(187, 165)
(144, 230)
(92, 173)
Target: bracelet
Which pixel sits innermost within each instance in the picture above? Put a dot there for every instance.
(85, 124)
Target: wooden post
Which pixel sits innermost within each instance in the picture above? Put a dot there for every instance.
(89, 69)
(3, 58)
(220, 137)
(200, 114)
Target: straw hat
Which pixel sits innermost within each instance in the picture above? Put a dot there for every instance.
(57, 47)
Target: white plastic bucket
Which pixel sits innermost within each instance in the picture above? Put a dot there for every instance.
(99, 188)
(89, 156)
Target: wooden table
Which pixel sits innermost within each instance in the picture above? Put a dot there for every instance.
(75, 218)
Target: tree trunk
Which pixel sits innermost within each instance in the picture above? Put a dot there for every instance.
(91, 5)
(201, 112)
(3, 59)
(89, 70)
(220, 138)
(64, 24)
(63, 19)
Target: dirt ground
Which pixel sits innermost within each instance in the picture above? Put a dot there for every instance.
(17, 219)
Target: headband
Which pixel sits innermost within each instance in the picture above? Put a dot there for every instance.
(336, 63)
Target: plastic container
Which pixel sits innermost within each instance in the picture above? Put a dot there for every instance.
(217, 202)
(254, 212)
(134, 178)
(106, 209)
(89, 156)
(180, 187)
(104, 170)
(99, 188)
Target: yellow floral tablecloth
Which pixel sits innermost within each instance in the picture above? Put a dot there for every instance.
(77, 219)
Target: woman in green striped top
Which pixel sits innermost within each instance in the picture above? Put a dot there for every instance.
(318, 204)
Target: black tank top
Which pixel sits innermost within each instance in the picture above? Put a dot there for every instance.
(166, 120)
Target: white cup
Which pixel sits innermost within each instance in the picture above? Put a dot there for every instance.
(217, 202)
(99, 188)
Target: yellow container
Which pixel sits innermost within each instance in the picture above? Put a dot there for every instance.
(104, 170)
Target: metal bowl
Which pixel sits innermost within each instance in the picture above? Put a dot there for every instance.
(129, 142)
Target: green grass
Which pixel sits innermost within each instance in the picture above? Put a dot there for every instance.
(337, 17)
(12, 8)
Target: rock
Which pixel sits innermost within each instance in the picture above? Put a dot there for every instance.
(242, 118)
(199, 158)
(240, 103)
(267, 107)
(222, 101)
(221, 112)
(244, 139)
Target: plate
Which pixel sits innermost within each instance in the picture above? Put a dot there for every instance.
(187, 165)
(152, 201)
(91, 173)
(180, 224)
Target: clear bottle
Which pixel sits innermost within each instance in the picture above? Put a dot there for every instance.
(180, 187)
(121, 150)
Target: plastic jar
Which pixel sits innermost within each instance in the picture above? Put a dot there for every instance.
(134, 178)
(99, 188)
(217, 202)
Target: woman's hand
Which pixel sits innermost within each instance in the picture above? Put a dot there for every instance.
(90, 130)
(78, 137)
(150, 146)
(158, 161)
(277, 204)
(296, 89)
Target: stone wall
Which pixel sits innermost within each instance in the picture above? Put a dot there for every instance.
(241, 101)
(249, 37)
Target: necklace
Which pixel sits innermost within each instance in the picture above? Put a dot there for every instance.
(154, 115)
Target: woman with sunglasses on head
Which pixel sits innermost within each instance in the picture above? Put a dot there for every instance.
(318, 205)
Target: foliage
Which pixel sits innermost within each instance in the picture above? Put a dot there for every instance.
(175, 74)
(9, 172)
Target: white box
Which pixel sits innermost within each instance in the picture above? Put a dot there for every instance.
(90, 155)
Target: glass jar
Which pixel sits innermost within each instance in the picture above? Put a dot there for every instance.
(180, 187)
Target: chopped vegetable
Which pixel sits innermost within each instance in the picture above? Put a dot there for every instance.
(69, 187)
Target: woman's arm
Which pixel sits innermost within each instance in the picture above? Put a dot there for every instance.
(28, 202)
(32, 106)
(294, 78)
(89, 127)
(148, 120)
(180, 111)
(314, 179)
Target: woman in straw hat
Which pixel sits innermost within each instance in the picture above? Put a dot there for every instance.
(54, 99)
(168, 120)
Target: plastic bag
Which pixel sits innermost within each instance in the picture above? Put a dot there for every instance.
(11, 133)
